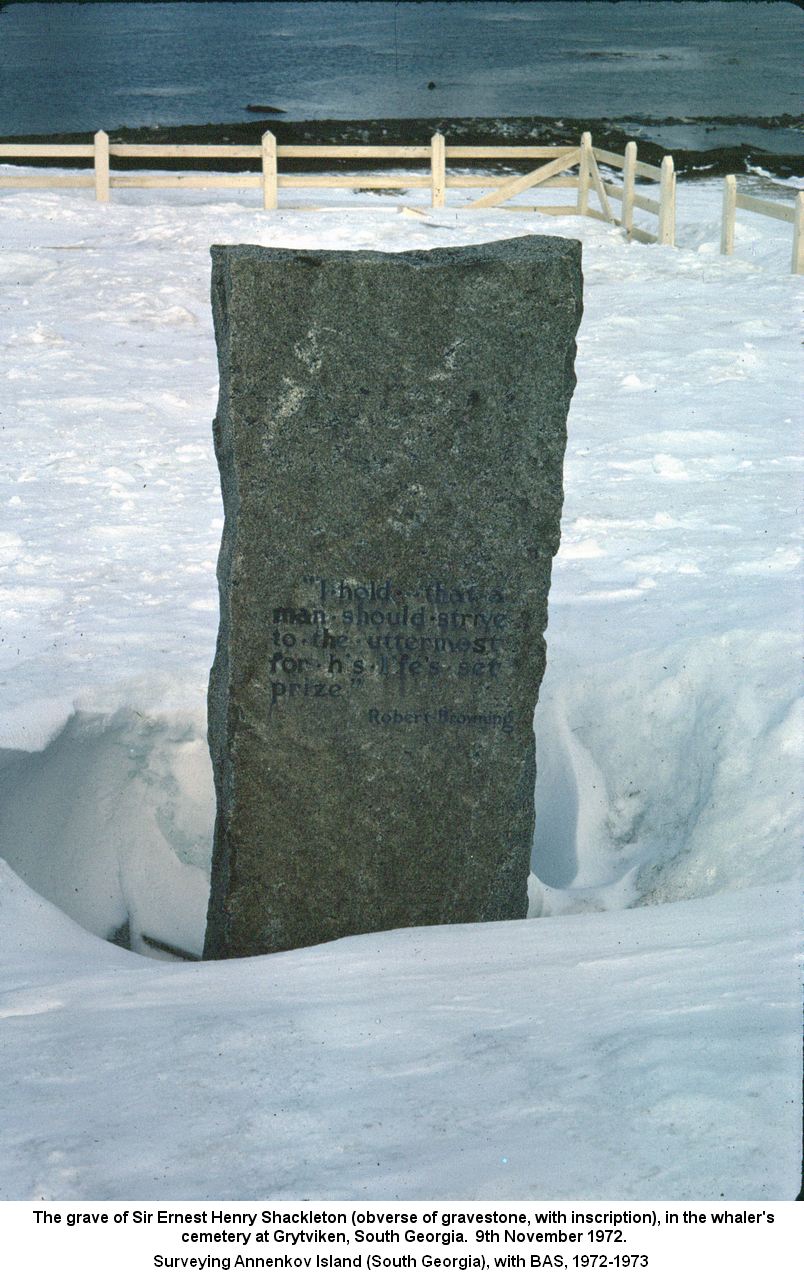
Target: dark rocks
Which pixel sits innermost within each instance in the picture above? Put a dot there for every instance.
(390, 434)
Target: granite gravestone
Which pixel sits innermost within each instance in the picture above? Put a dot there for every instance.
(390, 434)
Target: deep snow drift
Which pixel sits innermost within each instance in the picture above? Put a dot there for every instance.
(666, 739)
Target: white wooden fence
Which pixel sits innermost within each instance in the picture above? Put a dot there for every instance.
(568, 167)
(575, 168)
(792, 213)
(626, 194)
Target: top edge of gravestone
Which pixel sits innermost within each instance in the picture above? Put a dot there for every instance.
(524, 249)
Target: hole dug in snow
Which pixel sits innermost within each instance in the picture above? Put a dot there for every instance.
(112, 822)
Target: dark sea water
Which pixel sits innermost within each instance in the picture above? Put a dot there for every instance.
(71, 67)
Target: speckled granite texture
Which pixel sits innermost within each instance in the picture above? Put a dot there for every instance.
(390, 434)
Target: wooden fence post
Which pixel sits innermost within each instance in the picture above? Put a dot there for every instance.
(667, 203)
(629, 183)
(798, 235)
(101, 160)
(269, 179)
(729, 212)
(583, 174)
(438, 170)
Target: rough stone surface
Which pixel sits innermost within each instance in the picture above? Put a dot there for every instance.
(390, 434)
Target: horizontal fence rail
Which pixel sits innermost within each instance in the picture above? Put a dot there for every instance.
(568, 167)
(793, 214)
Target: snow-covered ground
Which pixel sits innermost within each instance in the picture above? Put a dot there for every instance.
(642, 1054)
(646, 1052)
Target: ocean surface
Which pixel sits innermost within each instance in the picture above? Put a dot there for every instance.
(675, 70)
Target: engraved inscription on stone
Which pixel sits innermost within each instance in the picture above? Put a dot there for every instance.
(351, 634)
(390, 435)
